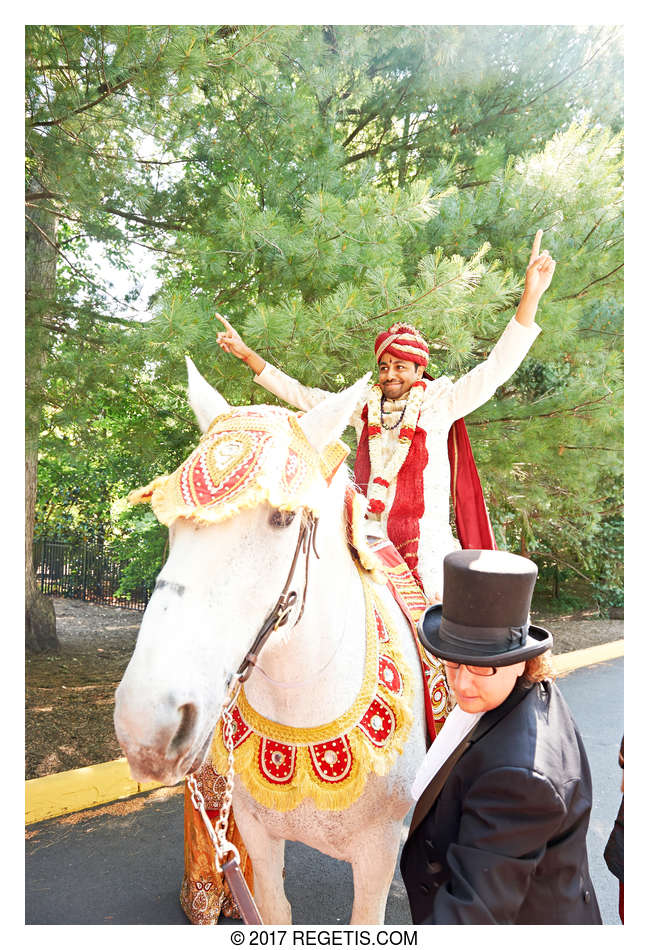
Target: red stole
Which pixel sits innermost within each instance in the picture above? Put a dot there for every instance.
(471, 517)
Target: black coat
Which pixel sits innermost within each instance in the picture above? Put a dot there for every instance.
(614, 851)
(505, 840)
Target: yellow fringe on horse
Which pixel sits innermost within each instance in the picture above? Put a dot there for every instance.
(345, 732)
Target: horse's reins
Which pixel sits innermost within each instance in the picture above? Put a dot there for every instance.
(276, 618)
(286, 600)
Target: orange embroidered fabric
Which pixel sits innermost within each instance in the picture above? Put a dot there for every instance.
(413, 602)
(204, 894)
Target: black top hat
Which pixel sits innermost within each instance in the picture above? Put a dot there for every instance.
(484, 617)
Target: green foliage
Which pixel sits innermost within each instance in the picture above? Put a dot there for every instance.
(141, 545)
(316, 184)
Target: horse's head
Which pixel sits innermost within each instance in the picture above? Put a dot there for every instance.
(234, 510)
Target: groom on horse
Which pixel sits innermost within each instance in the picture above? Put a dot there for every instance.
(413, 447)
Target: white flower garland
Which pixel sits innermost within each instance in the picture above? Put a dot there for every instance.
(381, 477)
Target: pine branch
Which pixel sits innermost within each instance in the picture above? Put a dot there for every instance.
(105, 90)
(359, 128)
(545, 415)
(129, 216)
(55, 212)
(574, 71)
(244, 128)
(597, 280)
(231, 291)
(404, 306)
(592, 231)
(368, 151)
(228, 59)
(89, 105)
(474, 184)
(166, 250)
(559, 560)
(60, 327)
(525, 105)
(38, 195)
(601, 332)
(597, 448)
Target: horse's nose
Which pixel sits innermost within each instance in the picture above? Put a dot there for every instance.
(164, 724)
(184, 735)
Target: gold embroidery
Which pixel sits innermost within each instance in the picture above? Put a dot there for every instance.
(250, 455)
(376, 702)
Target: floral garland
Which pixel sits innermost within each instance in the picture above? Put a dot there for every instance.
(380, 480)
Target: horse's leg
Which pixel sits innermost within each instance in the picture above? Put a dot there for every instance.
(373, 868)
(267, 856)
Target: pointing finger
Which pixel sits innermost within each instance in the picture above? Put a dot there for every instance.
(536, 246)
(223, 321)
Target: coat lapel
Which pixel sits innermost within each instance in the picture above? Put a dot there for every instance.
(430, 794)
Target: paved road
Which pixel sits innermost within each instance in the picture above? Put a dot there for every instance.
(99, 868)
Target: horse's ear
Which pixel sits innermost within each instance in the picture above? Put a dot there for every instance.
(326, 421)
(206, 402)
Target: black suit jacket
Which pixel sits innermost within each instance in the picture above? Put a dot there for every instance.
(505, 840)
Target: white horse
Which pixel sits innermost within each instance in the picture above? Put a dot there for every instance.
(215, 590)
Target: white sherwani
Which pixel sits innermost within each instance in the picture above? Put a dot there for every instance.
(444, 402)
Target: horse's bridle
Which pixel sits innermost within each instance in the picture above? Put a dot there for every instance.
(279, 615)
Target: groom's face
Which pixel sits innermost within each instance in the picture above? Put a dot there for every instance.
(396, 375)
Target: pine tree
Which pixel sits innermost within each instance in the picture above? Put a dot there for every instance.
(316, 184)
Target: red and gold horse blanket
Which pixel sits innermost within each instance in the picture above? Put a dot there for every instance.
(282, 765)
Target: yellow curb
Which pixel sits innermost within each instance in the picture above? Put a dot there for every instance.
(65, 792)
(567, 662)
(78, 789)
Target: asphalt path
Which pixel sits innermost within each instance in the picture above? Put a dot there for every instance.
(103, 867)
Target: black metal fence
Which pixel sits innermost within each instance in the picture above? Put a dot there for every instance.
(84, 571)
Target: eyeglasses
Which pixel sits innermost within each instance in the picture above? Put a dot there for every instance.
(476, 670)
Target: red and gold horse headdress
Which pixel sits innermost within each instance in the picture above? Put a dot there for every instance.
(249, 455)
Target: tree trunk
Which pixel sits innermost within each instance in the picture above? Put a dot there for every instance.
(40, 283)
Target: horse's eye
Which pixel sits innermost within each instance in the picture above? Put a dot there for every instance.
(281, 519)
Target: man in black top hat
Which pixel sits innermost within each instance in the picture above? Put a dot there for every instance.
(498, 836)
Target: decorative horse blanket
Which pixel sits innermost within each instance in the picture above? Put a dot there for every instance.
(333, 761)
(408, 594)
(283, 765)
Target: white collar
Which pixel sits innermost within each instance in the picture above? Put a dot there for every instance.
(458, 724)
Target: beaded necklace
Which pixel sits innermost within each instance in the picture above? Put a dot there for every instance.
(398, 422)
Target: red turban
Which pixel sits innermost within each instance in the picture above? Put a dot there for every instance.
(404, 342)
